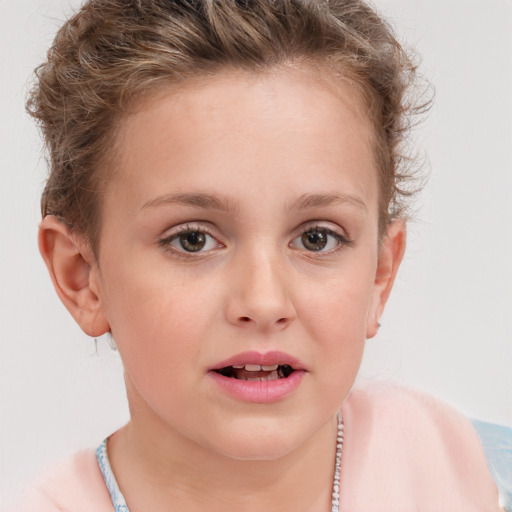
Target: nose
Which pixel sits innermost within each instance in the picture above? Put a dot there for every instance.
(259, 295)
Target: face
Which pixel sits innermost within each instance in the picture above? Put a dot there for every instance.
(239, 259)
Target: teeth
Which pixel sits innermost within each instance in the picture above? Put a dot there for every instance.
(253, 367)
(256, 367)
(271, 372)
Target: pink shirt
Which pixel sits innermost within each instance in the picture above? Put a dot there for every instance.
(403, 451)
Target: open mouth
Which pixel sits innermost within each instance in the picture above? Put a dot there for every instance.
(256, 372)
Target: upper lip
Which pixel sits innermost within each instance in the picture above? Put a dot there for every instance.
(263, 359)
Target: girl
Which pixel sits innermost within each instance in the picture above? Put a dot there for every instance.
(226, 200)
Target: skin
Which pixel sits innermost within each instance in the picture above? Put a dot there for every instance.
(284, 154)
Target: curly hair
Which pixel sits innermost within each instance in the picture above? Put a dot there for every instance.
(113, 53)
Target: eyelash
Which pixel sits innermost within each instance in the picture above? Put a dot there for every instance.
(166, 242)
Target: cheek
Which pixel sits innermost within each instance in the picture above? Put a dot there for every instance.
(335, 316)
(158, 337)
(157, 318)
(341, 303)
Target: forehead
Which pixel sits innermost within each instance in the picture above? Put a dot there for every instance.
(237, 132)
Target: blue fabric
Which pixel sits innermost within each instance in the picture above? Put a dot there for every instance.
(497, 444)
(110, 480)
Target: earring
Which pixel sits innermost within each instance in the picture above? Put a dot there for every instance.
(111, 342)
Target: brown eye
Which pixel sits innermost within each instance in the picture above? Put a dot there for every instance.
(314, 240)
(192, 241)
(319, 240)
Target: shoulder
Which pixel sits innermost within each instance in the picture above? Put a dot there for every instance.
(417, 452)
(75, 484)
(399, 406)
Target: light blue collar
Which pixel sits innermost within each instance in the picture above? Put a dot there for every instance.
(110, 480)
(497, 444)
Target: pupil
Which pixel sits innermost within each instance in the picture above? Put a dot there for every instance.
(314, 240)
(193, 241)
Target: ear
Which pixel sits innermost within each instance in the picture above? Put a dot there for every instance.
(391, 252)
(74, 274)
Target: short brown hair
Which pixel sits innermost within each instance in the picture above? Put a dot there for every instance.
(112, 53)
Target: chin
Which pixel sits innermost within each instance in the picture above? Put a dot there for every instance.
(258, 440)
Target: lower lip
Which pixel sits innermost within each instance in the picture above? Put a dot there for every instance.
(258, 392)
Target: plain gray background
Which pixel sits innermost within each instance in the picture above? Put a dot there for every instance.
(447, 329)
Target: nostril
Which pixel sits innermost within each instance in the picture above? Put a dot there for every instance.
(279, 322)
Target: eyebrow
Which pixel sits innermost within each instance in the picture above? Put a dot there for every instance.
(306, 201)
(214, 202)
(198, 200)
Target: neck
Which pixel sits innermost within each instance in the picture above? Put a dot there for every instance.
(158, 468)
